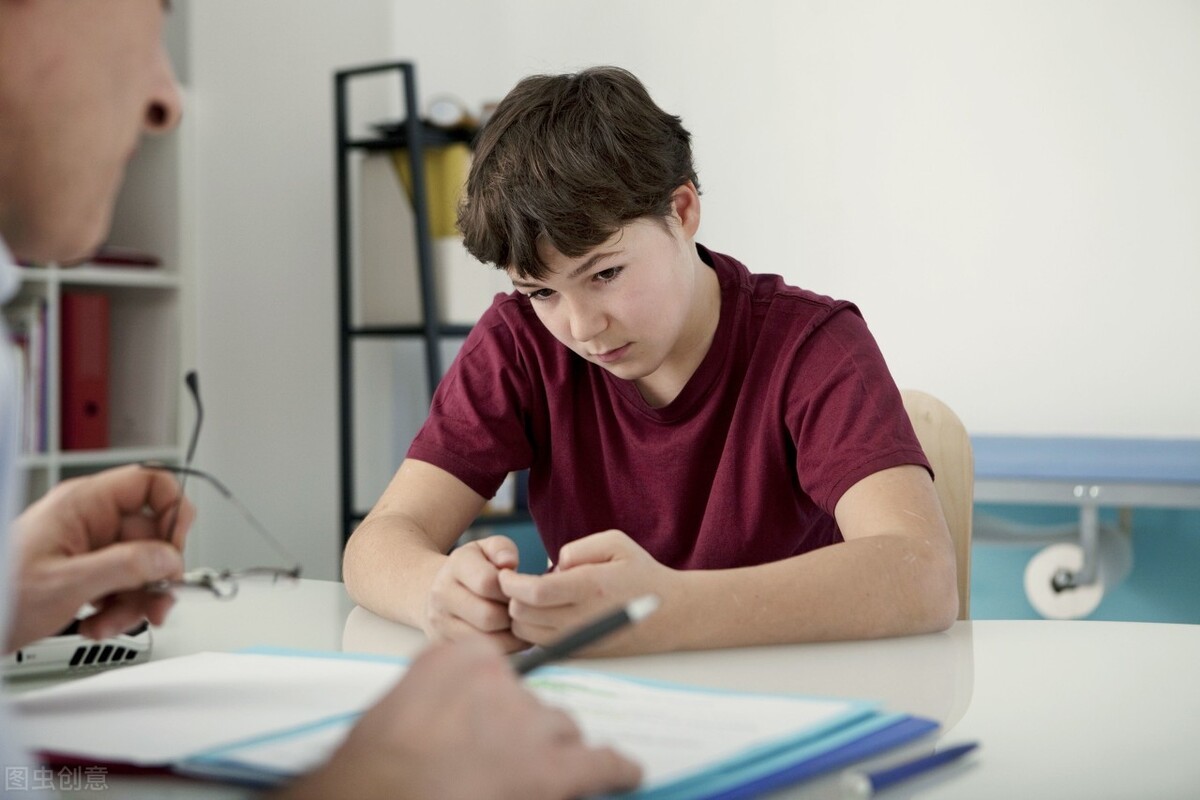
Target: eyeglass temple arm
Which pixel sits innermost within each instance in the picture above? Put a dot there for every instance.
(192, 380)
(184, 471)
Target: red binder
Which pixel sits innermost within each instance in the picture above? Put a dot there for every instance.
(84, 360)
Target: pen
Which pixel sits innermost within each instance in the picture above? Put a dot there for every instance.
(633, 611)
(866, 784)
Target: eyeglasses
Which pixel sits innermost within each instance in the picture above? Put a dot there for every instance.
(221, 583)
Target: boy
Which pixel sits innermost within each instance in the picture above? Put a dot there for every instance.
(728, 442)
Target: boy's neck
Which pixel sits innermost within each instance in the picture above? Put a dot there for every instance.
(665, 384)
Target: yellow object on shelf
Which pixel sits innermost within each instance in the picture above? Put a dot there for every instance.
(446, 168)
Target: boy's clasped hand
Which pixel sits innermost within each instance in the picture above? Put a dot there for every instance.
(479, 590)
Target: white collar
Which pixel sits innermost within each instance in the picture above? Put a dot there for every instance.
(10, 281)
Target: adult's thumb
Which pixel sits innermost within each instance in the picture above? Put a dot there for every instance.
(122, 566)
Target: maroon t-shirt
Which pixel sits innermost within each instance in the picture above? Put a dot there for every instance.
(791, 406)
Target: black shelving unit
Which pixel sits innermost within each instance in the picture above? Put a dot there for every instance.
(412, 135)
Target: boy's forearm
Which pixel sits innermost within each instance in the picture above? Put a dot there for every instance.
(867, 588)
(389, 568)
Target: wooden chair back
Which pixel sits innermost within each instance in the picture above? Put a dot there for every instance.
(948, 448)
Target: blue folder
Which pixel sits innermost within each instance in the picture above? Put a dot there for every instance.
(752, 776)
(859, 734)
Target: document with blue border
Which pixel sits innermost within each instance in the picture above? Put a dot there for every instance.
(691, 742)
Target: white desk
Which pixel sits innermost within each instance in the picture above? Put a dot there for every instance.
(1062, 709)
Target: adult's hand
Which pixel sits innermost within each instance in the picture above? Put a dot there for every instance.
(98, 539)
(460, 725)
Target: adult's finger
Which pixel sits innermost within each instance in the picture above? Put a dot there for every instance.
(101, 501)
(132, 487)
(588, 771)
(123, 611)
(119, 567)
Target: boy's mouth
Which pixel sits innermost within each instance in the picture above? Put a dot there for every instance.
(612, 356)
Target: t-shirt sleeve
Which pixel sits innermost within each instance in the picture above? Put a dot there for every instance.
(476, 425)
(845, 414)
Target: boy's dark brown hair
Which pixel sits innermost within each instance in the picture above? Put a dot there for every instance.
(570, 159)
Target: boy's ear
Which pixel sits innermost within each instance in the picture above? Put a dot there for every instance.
(685, 202)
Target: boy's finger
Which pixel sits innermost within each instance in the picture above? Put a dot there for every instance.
(594, 549)
(474, 570)
(501, 551)
(551, 589)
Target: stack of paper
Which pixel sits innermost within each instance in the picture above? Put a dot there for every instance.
(265, 716)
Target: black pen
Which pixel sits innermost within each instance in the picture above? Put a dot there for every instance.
(634, 611)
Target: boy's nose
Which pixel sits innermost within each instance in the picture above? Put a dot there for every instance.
(586, 323)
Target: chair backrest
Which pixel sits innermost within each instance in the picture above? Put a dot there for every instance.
(948, 448)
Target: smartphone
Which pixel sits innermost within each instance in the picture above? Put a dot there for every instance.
(69, 652)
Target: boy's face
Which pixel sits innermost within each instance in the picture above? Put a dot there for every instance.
(80, 81)
(633, 305)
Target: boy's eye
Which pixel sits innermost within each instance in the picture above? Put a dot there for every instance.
(606, 275)
(540, 294)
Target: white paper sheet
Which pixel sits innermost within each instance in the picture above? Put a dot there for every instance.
(164, 711)
(677, 730)
(672, 731)
(294, 708)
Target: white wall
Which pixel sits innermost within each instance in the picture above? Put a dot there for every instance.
(1010, 190)
(261, 78)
